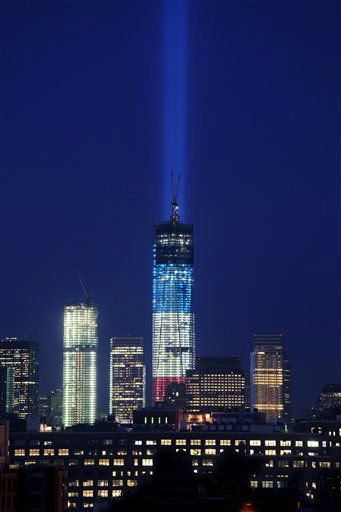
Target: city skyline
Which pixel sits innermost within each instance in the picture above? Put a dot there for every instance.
(85, 172)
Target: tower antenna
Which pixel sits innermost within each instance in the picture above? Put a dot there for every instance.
(175, 204)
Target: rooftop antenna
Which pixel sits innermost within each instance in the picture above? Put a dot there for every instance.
(86, 290)
(175, 204)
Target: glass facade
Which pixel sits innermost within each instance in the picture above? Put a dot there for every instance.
(173, 314)
(270, 377)
(127, 378)
(79, 364)
(19, 361)
(216, 382)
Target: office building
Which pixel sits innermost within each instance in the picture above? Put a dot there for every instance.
(20, 359)
(6, 389)
(329, 398)
(270, 377)
(79, 363)
(127, 377)
(103, 464)
(217, 382)
(173, 313)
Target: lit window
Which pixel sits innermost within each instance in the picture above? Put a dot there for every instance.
(180, 442)
(63, 451)
(89, 462)
(131, 483)
(117, 483)
(253, 484)
(138, 442)
(298, 464)
(116, 493)
(312, 444)
(210, 442)
(195, 451)
(34, 452)
(88, 493)
(267, 484)
(270, 452)
(298, 443)
(102, 483)
(207, 462)
(118, 462)
(166, 442)
(19, 453)
(324, 464)
(195, 442)
(102, 493)
(48, 452)
(255, 442)
(225, 442)
(285, 443)
(103, 462)
(88, 483)
(151, 442)
(210, 451)
(270, 442)
(285, 452)
(147, 462)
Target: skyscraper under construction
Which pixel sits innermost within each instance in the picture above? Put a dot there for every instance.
(173, 314)
(80, 361)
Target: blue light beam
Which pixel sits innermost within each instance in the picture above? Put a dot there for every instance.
(174, 108)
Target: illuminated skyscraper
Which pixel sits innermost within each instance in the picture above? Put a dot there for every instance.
(173, 314)
(20, 359)
(127, 378)
(216, 382)
(270, 377)
(79, 363)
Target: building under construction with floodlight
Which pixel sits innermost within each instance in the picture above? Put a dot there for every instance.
(173, 313)
(80, 361)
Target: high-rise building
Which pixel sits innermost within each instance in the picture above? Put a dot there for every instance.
(127, 378)
(329, 398)
(79, 363)
(270, 377)
(217, 382)
(56, 403)
(6, 389)
(173, 313)
(20, 357)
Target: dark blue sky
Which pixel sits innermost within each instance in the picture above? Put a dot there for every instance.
(85, 100)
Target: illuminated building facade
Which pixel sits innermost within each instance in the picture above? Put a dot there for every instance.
(127, 378)
(19, 358)
(173, 314)
(103, 465)
(215, 383)
(79, 363)
(270, 377)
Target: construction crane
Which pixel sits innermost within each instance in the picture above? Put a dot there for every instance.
(86, 290)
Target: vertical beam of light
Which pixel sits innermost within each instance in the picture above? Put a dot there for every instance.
(174, 107)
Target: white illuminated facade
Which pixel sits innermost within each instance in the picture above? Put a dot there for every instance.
(79, 364)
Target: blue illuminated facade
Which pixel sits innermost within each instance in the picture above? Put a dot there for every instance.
(173, 314)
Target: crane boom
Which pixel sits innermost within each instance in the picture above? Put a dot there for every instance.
(85, 288)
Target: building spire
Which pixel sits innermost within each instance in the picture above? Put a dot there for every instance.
(175, 204)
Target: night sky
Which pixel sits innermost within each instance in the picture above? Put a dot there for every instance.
(101, 99)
